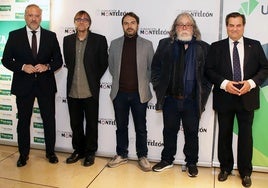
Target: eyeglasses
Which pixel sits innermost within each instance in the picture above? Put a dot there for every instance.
(81, 20)
(187, 26)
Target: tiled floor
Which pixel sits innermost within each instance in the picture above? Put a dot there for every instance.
(38, 173)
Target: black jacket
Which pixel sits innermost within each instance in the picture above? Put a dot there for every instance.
(95, 60)
(161, 72)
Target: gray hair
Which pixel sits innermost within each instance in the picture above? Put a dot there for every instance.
(196, 31)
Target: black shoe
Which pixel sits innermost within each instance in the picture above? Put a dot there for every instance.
(223, 175)
(162, 165)
(22, 161)
(89, 160)
(52, 158)
(74, 157)
(246, 181)
(192, 170)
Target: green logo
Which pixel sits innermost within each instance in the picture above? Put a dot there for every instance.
(5, 7)
(5, 92)
(5, 107)
(36, 110)
(38, 125)
(5, 122)
(22, 1)
(39, 140)
(19, 15)
(248, 7)
(6, 136)
(5, 77)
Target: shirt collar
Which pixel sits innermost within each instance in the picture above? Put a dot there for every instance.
(241, 40)
(29, 30)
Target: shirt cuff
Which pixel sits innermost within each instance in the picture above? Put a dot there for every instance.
(251, 83)
(223, 84)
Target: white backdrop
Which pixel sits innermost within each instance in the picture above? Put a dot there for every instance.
(156, 18)
(155, 22)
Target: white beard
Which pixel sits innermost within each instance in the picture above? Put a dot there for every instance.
(185, 36)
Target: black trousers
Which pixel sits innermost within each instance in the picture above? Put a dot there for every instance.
(84, 140)
(245, 140)
(46, 103)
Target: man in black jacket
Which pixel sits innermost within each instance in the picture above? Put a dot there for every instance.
(181, 89)
(86, 59)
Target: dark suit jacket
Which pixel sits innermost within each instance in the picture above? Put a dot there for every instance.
(218, 68)
(18, 52)
(95, 60)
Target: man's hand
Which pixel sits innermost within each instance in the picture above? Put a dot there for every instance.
(28, 68)
(245, 88)
(238, 88)
(41, 68)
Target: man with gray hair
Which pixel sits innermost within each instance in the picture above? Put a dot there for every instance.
(181, 89)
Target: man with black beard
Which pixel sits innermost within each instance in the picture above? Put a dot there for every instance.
(181, 89)
(130, 58)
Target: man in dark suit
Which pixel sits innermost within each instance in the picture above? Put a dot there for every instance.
(86, 58)
(33, 76)
(236, 96)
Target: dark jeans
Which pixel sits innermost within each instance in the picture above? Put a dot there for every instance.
(175, 111)
(84, 141)
(122, 104)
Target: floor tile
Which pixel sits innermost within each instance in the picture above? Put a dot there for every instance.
(39, 173)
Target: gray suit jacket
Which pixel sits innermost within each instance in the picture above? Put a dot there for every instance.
(145, 54)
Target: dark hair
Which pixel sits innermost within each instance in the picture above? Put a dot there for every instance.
(81, 13)
(131, 14)
(235, 15)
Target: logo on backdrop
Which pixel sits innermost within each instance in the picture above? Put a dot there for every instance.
(61, 99)
(153, 31)
(6, 136)
(248, 7)
(64, 134)
(151, 106)
(198, 13)
(106, 121)
(69, 30)
(105, 85)
(5, 107)
(154, 143)
(111, 13)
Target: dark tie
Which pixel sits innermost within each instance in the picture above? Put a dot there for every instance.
(236, 63)
(34, 44)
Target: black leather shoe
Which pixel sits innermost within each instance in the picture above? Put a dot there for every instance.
(89, 160)
(22, 161)
(52, 158)
(246, 181)
(74, 157)
(223, 175)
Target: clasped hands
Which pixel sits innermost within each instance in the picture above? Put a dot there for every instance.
(39, 68)
(238, 88)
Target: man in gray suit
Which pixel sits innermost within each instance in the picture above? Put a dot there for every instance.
(130, 58)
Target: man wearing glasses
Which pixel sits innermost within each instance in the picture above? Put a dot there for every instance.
(181, 89)
(86, 59)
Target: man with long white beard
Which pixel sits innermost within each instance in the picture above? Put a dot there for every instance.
(181, 89)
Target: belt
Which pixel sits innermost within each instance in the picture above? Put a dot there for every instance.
(180, 97)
